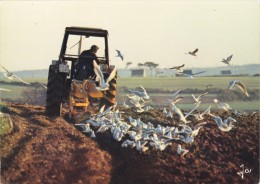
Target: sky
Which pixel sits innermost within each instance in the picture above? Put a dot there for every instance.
(31, 32)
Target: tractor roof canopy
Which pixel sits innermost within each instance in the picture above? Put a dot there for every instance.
(86, 31)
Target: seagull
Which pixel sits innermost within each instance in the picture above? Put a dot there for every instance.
(225, 125)
(222, 105)
(239, 85)
(181, 116)
(125, 105)
(198, 99)
(104, 84)
(10, 76)
(120, 55)
(227, 61)
(142, 94)
(2, 89)
(194, 52)
(195, 131)
(178, 68)
(141, 146)
(175, 100)
(191, 76)
(200, 116)
(181, 151)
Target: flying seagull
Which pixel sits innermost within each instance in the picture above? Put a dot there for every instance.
(198, 99)
(119, 54)
(11, 75)
(238, 84)
(194, 52)
(227, 61)
(178, 68)
(191, 76)
(104, 84)
(142, 94)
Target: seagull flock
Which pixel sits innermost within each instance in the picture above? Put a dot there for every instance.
(143, 136)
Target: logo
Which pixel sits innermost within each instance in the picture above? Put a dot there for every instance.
(244, 171)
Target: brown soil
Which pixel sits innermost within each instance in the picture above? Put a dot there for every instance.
(41, 149)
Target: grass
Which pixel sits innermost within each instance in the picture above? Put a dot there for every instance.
(174, 83)
(4, 121)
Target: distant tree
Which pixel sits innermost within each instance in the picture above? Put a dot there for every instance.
(140, 64)
(151, 65)
(127, 64)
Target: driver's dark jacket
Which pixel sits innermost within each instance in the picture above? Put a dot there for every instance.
(84, 66)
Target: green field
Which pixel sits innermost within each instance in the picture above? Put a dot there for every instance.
(166, 84)
(174, 83)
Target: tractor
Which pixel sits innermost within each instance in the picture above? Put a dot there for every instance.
(63, 89)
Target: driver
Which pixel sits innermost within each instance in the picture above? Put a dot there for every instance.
(84, 65)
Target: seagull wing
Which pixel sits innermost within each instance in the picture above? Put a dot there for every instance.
(191, 111)
(5, 69)
(224, 61)
(242, 87)
(98, 72)
(231, 84)
(21, 79)
(143, 89)
(176, 93)
(202, 95)
(194, 97)
(199, 73)
(118, 53)
(112, 75)
(195, 51)
(229, 58)
(136, 93)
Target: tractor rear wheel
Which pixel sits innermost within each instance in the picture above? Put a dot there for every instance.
(55, 88)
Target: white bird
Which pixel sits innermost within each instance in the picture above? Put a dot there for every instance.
(103, 84)
(200, 116)
(2, 89)
(227, 61)
(181, 116)
(140, 146)
(225, 125)
(119, 54)
(125, 105)
(186, 137)
(191, 76)
(176, 99)
(222, 105)
(84, 126)
(142, 94)
(239, 85)
(178, 68)
(193, 132)
(181, 151)
(198, 99)
(164, 111)
(169, 114)
(10, 76)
